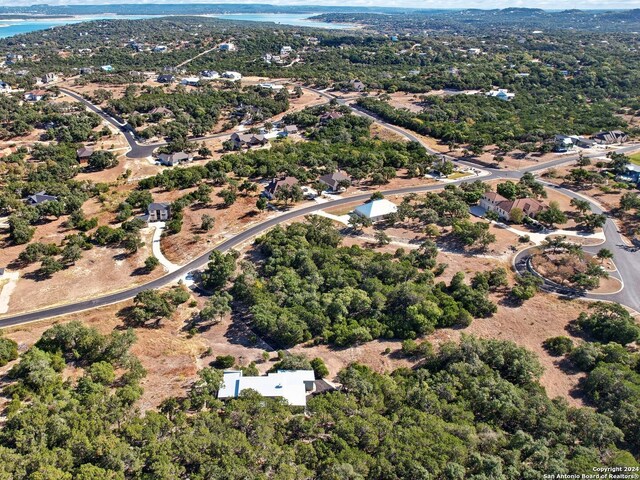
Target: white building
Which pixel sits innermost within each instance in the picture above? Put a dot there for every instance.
(192, 81)
(160, 48)
(226, 47)
(286, 50)
(232, 76)
(376, 209)
(210, 74)
(502, 94)
(271, 86)
(292, 385)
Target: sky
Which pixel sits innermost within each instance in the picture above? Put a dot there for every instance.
(547, 4)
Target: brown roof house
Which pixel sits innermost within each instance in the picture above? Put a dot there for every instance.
(330, 116)
(277, 183)
(248, 140)
(334, 180)
(83, 154)
(494, 202)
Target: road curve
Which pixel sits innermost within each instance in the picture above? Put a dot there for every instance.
(625, 257)
(12, 320)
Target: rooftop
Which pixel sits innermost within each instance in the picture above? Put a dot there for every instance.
(287, 384)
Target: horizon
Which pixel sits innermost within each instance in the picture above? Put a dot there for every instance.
(547, 5)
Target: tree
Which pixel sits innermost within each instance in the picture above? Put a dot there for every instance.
(8, 350)
(261, 203)
(49, 266)
(609, 322)
(224, 361)
(102, 160)
(558, 346)
(71, 253)
(19, 230)
(358, 222)
(218, 270)
(228, 196)
(319, 368)
(516, 215)
(218, 305)
(582, 206)
(382, 238)
(508, 190)
(552, 215)
(604, 254)
(208, 222)
(151, 263)
(527, 286)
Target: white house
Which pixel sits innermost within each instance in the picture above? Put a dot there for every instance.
(231, 76)
(376, 209)
(292, 385)
(271, 86)
(192, 81)
(226, 47)
(285, 50)
(4, 87)
(160, 48)
(210, 74)
(502, 94)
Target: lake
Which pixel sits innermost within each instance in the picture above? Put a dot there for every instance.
(8, 28)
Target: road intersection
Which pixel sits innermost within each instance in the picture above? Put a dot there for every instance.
(626, 258)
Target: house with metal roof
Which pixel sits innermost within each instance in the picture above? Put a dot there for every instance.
(158, 211)
(41, 197)
(376, 209)
(291, 385)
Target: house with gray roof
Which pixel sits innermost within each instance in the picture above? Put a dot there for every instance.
(334, 180)
(40, 197)
(172, 159)
(159, 211)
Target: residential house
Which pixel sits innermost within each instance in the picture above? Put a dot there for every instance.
(276, 184)
(333, 180)
(494, 202)
(35, 95)
(285, 50)
(288, 130)
(271, 86)
(172, 159)
(164, 111)
(86, 71)
(160, 48)
(106, 68)
(49, 78)
(5, 87)
(83, 154)
(210, 74)
(501, 94)
(357, 86)
(376, 209)
(227, 47)
(610, 137)
(291, 385)
(40, 197)
(232, 76)
(191, 81)
(166, 78)
(159, 211)
(241, 140)
(631, 174)
(474, 51)
(565, 143)
(326, 117)
(14, 58)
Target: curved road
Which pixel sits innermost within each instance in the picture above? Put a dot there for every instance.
(624, 257)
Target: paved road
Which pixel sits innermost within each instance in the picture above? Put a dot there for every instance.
(627, 261)
(200, 261)
(136, 148)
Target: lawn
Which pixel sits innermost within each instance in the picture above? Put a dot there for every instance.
(635, 158)
(457, 175)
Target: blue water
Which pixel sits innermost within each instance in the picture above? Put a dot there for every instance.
(8, 28)
(294, 19)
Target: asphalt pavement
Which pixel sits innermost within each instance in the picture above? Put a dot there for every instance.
(627, 259)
